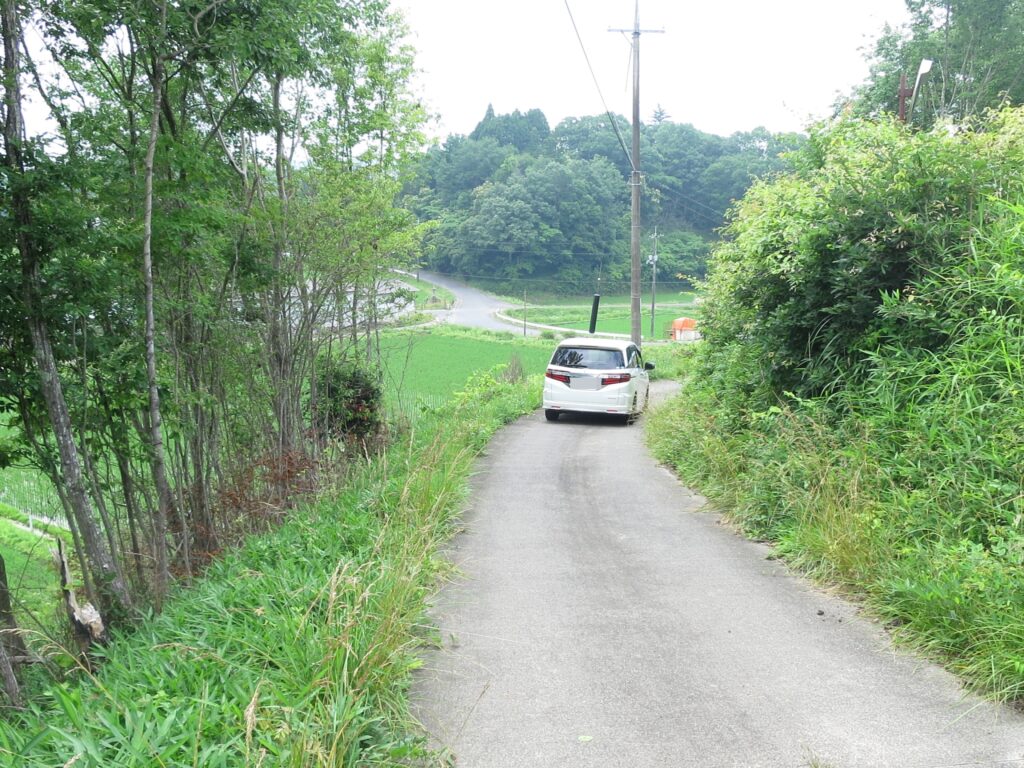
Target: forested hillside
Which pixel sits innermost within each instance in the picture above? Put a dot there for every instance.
(517, 199)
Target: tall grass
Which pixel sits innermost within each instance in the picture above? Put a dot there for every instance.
(883, 283)
(297, 649)
(905, 488)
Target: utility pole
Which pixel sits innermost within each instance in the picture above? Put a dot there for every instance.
(903, 94)
(634, 181)
(653, 261)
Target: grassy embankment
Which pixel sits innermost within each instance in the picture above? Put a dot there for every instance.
(297, 649)
(25, 543)
(914, 513)
(31, 575)
(428, 295)
(896, 472)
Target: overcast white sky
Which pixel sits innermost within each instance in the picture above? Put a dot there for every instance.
(722, 65)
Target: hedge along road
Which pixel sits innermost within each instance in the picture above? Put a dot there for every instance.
(604, 617)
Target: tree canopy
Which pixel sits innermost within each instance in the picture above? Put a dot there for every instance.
(977, 47)
(516, 200)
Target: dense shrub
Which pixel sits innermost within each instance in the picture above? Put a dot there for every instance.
(348, 402)
(859, 398)
(810, 257)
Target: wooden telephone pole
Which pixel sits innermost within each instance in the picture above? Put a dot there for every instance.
(634, 181)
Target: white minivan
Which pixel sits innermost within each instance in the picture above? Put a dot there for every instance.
(592, 375)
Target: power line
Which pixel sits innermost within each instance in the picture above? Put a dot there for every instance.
(611, 118)
(546, 280)
(715, 220)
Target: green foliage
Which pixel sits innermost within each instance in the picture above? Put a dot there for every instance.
(810, 257)
(976, 49)
(526, 132)
(349, 399)
(254, 256)
(511, 201)
(902, 481)
(695, 177)
(538, 216)
(297, 649)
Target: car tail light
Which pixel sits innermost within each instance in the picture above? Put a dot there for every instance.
(562, 377)
(615, 378)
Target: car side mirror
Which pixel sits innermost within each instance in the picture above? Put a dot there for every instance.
(648, 366)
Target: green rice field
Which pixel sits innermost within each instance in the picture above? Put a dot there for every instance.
(425, 367)
(612, 318)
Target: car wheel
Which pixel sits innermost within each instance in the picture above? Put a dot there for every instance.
(551, 415)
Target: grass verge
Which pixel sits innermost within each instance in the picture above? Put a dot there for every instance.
(297, 649)
(429, 295)
(31, 576)
(890, 519)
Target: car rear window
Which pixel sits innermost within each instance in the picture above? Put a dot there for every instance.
(587, 357)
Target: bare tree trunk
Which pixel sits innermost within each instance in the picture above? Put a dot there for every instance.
(111, 585)
(10, 679)
(200, 449)
(11, 640)
(119, 447)
(165, 499)
(101, 505)
(280, 336)
(12, 645)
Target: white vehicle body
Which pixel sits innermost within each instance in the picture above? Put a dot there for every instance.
(591, 375)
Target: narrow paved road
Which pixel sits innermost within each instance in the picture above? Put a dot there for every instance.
(605, 618)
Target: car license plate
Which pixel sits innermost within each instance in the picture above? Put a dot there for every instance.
(585, 382)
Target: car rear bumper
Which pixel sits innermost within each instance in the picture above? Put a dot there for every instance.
(587, 402)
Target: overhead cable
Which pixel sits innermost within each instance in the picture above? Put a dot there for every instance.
(611, 118)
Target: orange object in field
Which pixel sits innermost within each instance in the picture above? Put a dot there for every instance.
(684, 329)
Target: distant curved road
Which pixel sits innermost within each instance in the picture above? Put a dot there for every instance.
(473, 308)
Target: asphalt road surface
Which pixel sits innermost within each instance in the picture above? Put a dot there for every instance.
(604, 617)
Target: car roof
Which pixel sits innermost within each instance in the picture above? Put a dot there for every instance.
(597, 343)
